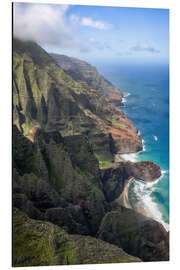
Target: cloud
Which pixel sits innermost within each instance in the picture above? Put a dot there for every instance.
(87, 21)
(42, 23)
(48, 25)
(96, 24)
(144, 47)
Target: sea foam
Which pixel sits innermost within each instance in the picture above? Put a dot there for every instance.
(133, 157)
(142, 191)
(143, 201)
(124, 100)
(129, 157)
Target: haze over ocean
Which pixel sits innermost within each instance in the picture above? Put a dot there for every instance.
(148, 107)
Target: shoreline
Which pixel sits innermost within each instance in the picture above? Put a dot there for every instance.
(125, 95)
(144, 207)
(124, 198)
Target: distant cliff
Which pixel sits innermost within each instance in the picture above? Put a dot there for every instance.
(81, 71)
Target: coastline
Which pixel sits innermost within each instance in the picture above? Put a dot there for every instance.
(124, 198)
(148, 206)
(125, 95)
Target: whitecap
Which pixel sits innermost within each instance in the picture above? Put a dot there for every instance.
(143, 144)
(133, 157)
(126, 94)
(124, 100)
(155, 138)
(144, 203)
(163, 172)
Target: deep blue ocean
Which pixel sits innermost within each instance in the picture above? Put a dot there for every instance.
(147, 105)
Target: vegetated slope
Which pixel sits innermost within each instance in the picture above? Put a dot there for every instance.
(58, 180)
(51, 245)
(83, 72)
(47, 97)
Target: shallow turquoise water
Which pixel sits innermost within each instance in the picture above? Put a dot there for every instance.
(148, 107)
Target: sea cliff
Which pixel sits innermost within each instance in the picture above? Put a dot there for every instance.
(66, 133)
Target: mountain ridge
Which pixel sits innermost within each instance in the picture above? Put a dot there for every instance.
(45, 96)
(82, 71)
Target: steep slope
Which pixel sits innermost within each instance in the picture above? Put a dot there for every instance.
(82, 71)
(45, 96)
(54, 177)
(51, 245)
(136, 234)
(58, 180)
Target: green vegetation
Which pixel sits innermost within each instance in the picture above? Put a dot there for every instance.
(38, 243)
(27, 127)
(103, 160)
(118, 124)
(31, 242)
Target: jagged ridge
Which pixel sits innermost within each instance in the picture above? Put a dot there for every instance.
(45, 96)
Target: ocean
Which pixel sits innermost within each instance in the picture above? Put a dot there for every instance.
(147, 105)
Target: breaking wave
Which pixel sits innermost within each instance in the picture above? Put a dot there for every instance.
(125, 95)
(140, 198)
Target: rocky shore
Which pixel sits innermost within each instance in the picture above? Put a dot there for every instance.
(66, 185)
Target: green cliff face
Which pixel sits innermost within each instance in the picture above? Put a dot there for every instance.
(81, 71)
(51, 245)
(136, 234)
(57, 174)
(45, 96)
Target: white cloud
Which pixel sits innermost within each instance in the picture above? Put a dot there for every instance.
(96, 24)
(144, 47)
(87, 21)
(47, 25)
(42, 23)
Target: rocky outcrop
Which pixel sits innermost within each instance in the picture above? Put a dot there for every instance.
(138, 235)
(144, 170)
(113, 180)
(116, 174)
(51, 245)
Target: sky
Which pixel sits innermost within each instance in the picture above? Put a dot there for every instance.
(96, 33)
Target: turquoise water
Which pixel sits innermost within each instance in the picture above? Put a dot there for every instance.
(148, 107)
